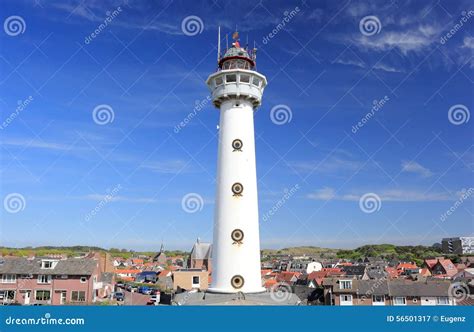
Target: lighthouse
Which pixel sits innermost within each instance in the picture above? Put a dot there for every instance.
(237, 90)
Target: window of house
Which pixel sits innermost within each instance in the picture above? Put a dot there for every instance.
(245, 78)
(43, 295)
(83, 280)
(345, 284)
(196, 281)
(47, 264)
(8, 278)
(231, 78)
(378, 298)
(78, 296)
(442, 300)
(219, 81)
(346, 298)
(7, 295)
(399, 300)
(44, 279)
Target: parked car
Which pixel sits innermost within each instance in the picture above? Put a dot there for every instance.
(128, 287)
(154, 299)
(144, 290)
(133, 289)
(119, 296)
(120, 284)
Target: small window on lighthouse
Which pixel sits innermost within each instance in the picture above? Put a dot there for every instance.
(219, 81)
(230, 78)
(256, 81)
(245, 78)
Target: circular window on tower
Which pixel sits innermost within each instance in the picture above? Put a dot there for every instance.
(237, 281)
(237, 145)
(237, 189)
(237, 235)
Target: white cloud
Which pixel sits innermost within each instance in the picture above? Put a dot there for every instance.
(331, 164)
(390, 195)
(168, 166)
(387, 68)
(414, 39)
(414, 167)
(33, 143)
(468, 42)
(324, 194)
(111, 198)
(350, 62)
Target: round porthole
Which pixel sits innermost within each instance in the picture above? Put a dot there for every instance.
(237, 281)
(237, 144)
(237, 188)
(237, 235)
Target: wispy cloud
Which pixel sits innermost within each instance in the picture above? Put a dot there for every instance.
(414, 167)
(390, 195)
(414, 39)
(35, 143)
(334, 164)
(168, 166)
(110, 198)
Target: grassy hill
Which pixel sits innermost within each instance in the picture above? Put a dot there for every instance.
(72, 251)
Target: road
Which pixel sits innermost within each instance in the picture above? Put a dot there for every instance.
(135, 298)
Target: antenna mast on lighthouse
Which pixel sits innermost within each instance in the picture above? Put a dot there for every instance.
(219, 44)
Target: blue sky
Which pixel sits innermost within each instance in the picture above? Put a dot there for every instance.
(323, 66)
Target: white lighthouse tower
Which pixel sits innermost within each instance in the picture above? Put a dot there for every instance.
(237, 90)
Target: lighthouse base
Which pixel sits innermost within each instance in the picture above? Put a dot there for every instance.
(207, 298)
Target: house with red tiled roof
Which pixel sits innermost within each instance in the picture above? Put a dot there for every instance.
(443, 268)
(137, 261)
(288, 277)
(392, 272)
(407, 269)
(270, 283)
(425, 272)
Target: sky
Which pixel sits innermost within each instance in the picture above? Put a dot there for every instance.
(108, 137)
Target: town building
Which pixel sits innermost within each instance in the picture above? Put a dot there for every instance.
(458, 245)
(189, 279)
(341, 291)
(201, 256)
(51, 281)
